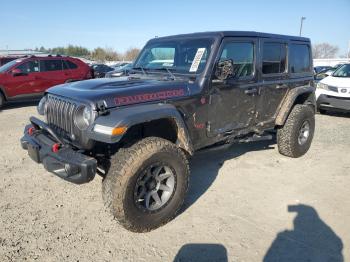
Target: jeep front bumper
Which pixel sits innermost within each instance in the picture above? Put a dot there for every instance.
(43, 146)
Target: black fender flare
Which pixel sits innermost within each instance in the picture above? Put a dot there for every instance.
(307, 93)
(138, 114)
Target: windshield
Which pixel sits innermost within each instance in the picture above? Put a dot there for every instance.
(343, 71)
(184, 56)
(8, 65)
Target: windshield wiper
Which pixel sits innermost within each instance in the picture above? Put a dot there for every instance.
(140, 68)
(173, 77)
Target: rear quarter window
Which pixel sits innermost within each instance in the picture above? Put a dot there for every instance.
(299, 58)
(67, 64)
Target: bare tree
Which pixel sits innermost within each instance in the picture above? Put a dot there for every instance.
(131, 54)
(105, 54)
(324, 50)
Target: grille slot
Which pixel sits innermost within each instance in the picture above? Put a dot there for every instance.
(60, 115)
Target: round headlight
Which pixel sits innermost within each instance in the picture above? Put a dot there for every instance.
(41, 106)
(83, 117)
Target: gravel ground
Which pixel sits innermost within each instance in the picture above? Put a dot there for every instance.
(246, 203)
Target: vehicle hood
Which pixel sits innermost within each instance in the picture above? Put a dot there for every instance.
(122, 91)
(342, 82)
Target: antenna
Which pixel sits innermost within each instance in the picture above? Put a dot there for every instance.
(301, 24)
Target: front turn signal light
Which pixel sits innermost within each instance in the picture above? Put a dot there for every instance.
(117, 131)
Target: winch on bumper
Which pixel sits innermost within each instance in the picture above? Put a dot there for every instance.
(44, 146)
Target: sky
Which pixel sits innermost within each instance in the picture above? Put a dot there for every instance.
(124, 24)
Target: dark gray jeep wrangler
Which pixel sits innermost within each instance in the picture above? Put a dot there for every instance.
(184, 93)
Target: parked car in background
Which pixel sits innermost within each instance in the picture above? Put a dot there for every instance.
(318, 69)
(121, 71)
(119, 65)
(6, 59)
(333, 92)
(29, 77)
(100, 70)
(326, 72)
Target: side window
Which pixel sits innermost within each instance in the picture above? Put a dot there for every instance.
(299, 58)
(51, 65)
(274, 58)
(29, 67)
(70, 64)
(242, 55)
(65, 65)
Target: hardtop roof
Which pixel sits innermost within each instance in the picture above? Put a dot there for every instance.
(235, 34)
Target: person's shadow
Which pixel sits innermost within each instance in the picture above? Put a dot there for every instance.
(202, 252)
(310, 240)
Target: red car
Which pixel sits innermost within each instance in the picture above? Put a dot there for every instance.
(30, 77)
(6, 59)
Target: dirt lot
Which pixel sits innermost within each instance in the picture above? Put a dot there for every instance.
(246, 203)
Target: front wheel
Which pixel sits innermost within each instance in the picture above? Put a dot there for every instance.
(295, 137)
(146, 184)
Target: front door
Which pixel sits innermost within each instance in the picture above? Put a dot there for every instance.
(27, 82)
(232, 101)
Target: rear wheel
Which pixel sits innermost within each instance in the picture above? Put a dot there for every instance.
(146, 184)
(295, 137)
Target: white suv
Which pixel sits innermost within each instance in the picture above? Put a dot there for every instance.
(333, 92)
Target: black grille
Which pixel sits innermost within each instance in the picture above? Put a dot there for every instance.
(333, 88)
(60, 115)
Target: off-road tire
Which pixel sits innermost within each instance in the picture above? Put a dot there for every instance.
(287, 136)
(118, 185)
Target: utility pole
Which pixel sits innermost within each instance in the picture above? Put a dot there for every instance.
(301, 24)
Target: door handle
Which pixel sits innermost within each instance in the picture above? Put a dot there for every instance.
(281, 86)
(251, 91)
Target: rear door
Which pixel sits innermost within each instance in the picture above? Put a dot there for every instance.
(68, 73)
(232, 101)
(273, 75)
(52, 72)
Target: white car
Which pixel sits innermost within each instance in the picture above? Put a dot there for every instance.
(333, 92)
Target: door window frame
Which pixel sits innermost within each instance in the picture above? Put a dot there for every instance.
(50, 71)
(310, 59)
(226, 40)
(27, 61)
(261, 48)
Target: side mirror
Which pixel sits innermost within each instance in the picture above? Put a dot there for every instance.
(224, 69)
(18, 72)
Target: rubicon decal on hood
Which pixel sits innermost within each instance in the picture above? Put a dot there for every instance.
(134, 99)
